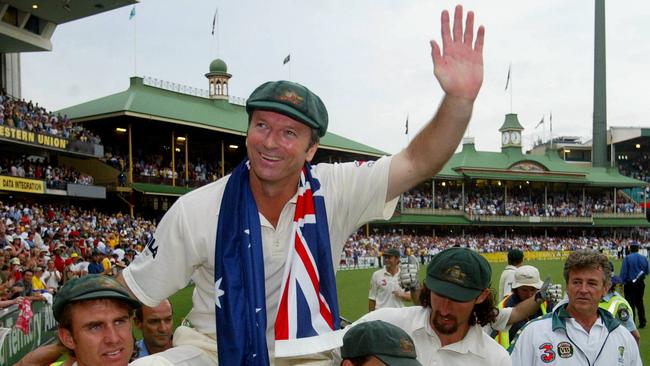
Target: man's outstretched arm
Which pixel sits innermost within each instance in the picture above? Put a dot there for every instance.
(459, 70)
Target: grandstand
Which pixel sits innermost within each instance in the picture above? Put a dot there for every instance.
(161, 139)
(540, 193)
(38, 190)
(99, 174)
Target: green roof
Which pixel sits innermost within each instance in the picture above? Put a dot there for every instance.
(426, 220)
(151, 102)
(218, 66)
(512, 164)
(511, 123)
(621, 222)
(160, 189)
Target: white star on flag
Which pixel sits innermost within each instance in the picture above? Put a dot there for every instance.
(218, 292)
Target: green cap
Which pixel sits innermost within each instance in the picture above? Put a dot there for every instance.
(391, 252)
(90, 287)
(515, 255)
(292, 100)
(390, 344)
(459, 274)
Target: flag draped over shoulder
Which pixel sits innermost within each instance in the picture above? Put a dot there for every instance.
(308, 311)
(308, 314)
(240, 298)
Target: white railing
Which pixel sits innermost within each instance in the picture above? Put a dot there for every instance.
(186, 89)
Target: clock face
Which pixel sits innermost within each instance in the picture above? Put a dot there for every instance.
(516, 137)
(505, 138)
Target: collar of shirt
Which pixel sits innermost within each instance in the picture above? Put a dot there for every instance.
(572, 323)
(560, 316)
(142, 348)
(391, 275)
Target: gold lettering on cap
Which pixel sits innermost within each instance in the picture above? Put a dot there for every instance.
(455, 274)
(406, 345)
(291, 97)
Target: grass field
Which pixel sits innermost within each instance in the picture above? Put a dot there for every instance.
(353, 294)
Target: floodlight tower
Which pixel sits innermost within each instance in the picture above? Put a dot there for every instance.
(599, 126)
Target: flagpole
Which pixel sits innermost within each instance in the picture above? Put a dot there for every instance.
(216, 14)
(511, 89)
(550, 123)
(135, 45)
(287, 60)
(508, 85)
(407, 130)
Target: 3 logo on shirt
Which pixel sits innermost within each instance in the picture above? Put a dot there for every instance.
(564, 350)
(548, 355)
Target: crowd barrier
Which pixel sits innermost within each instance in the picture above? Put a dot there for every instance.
(14, 344)
(502, 257)
(497, 257)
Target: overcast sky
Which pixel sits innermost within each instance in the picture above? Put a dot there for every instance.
(369, 60)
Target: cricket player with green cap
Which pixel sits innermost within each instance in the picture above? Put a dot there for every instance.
(378, 343)
(94, 316)
(385, 290)
(277, 205)
(456, 301)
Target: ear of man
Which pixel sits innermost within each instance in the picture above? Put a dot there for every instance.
(65, 336)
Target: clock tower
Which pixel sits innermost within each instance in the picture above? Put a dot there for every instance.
(511, 133)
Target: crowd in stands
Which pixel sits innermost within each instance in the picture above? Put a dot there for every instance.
(156, 169)
(427, 246)
(637, 167)
(43, 246)
(55, 177)
(480, 202)
(23, 115)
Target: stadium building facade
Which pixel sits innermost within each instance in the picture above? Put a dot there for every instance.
(541, 177)
(159, 137)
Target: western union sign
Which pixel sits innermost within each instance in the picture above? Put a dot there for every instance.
(33, 137)
(21, 185)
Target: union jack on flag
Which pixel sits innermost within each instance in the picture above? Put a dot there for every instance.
(308, 310)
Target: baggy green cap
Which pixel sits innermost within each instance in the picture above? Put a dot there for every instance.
(515, 255)
(292, 100)
(91, 287)
(459, 274)
(390, 344)
(391, 252)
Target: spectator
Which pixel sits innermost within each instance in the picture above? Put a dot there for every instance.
(52, 277)
(156, 325)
